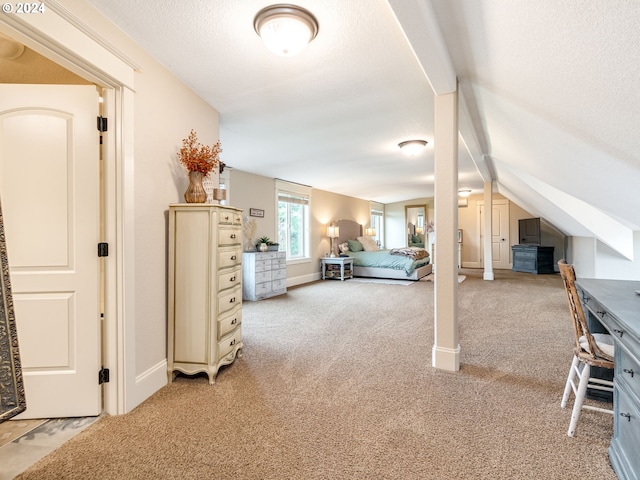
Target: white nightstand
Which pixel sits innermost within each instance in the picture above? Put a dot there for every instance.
(339, 268)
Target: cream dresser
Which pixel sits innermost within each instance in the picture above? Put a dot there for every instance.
(205, 288)
(264, 273)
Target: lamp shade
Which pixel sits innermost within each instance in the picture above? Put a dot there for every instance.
(219, 194)
(370, 232)
(333, 231)
(285, 29)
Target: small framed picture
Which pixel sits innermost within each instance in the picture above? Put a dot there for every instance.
(256, 212)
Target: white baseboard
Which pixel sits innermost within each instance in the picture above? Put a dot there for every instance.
(146, 384)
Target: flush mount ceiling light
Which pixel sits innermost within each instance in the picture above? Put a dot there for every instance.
(412, 147)
(464, 193)
(285, 29)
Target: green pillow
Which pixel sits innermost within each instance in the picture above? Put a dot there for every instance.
(415, 239)
(355, 246)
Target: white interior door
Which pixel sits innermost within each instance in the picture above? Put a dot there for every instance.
(500, 244)
(49, 185)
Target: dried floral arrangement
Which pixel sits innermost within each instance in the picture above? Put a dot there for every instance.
(197, 157)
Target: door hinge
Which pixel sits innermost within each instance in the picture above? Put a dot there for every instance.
(103, 249)
(102, 124)
(103, 376)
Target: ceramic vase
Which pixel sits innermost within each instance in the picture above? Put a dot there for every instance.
(195, 191)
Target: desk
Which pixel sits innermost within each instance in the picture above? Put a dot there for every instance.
(617, 307)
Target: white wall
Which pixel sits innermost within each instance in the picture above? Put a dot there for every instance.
(593, 259)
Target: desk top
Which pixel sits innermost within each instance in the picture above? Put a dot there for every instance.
(618, 297)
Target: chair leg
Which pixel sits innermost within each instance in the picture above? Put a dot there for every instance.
(580, 394)
(570, 379)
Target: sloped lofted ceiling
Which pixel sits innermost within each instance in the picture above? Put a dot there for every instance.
(550, 104)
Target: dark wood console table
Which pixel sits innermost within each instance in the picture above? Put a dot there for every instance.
(616, 305)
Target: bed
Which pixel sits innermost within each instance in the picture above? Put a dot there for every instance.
(382, 264)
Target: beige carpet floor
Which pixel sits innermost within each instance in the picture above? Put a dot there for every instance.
(336, 383)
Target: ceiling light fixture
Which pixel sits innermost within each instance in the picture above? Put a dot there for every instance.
(285, 29)
(464, 193)
(412, 147)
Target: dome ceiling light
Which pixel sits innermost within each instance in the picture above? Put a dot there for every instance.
(285, 29)
(464, 193)
(412, 147)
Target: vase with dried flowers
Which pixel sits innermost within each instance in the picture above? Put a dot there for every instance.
(199, 160)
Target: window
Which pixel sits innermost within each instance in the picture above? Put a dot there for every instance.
(377, 221)
(224, 185)
(293, 219)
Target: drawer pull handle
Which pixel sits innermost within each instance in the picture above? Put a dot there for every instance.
(233, 342)
(234, 321)
(619, 332)
(226, 217)
(232, 279)
(232, 300)
(629, 371)
(601, 313)
(233, 235)
(626, 415)
(233, 257)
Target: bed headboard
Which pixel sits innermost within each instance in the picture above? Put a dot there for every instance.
(349, 230)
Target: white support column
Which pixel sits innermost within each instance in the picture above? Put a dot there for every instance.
(488, 232)
(446, 350)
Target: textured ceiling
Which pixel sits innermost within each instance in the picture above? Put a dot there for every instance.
(331, 117)
(550, 104)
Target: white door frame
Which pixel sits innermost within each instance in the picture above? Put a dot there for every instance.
(65, 39)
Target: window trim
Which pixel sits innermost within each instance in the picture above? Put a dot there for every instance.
(289, 188)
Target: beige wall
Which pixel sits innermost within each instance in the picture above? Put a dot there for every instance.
(165, 110)
(395, 226)
(254, 191)
(468, 221)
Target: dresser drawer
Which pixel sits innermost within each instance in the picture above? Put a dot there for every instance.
(229, 217)
(262, 277)
(279, 285)
(279, 262)
(627, 428)
(229, 279)
(279, 273)
(627, 370)
(263, 288)
(229, 343)
(228, 299)
(229, 257)
(229, 322)
(262, 265)
(229, 236)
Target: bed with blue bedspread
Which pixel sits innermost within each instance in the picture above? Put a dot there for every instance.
(410, 263)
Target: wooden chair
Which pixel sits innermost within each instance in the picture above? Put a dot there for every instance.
(591, 350)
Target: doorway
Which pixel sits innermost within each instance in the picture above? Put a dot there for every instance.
(500, 239)
(66, 40)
